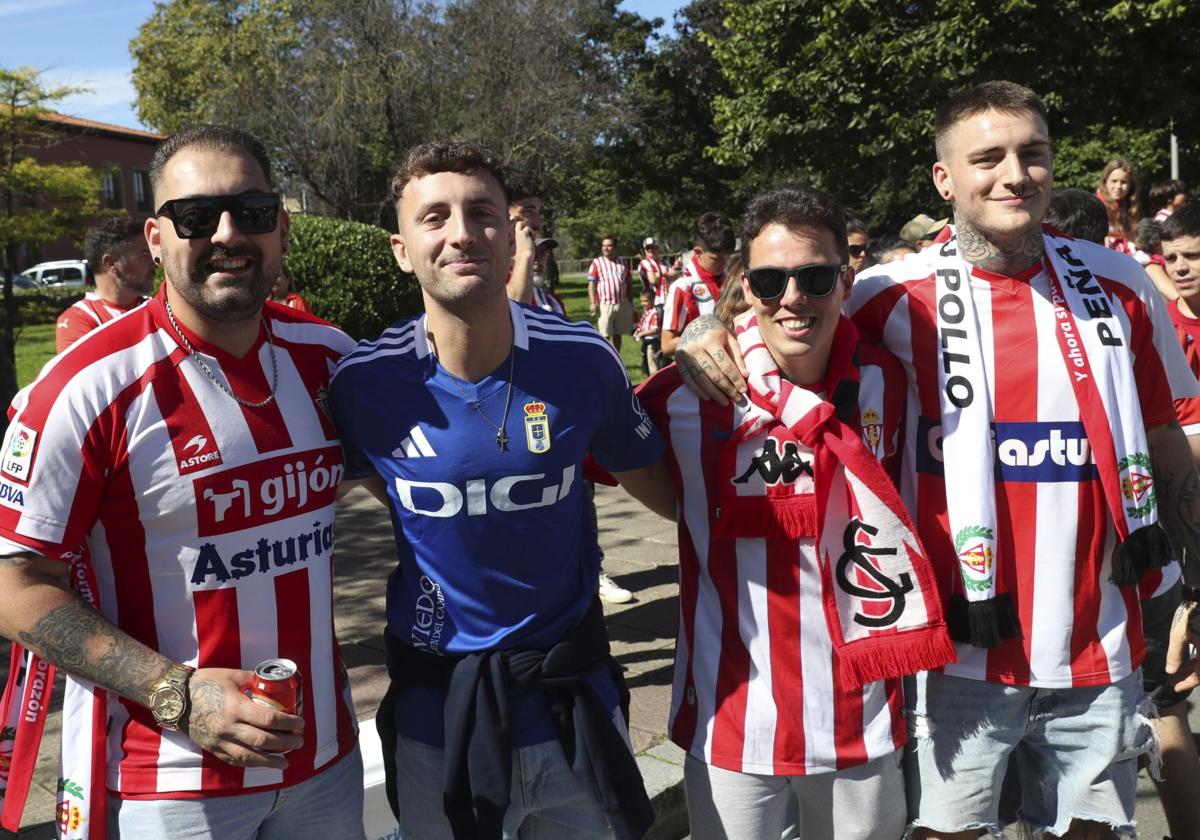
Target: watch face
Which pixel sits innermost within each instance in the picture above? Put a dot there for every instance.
(167, 705)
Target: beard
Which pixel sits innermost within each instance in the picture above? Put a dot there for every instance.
(229, 300)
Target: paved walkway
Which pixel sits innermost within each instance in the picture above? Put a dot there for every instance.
(640, 554)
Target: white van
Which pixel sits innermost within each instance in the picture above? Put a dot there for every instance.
(59, 274)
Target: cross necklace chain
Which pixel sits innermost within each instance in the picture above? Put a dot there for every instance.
(501, 435)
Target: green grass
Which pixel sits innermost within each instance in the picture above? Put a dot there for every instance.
(35, 347)
(572, 288)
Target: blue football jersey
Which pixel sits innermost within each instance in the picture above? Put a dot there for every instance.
(491, 544)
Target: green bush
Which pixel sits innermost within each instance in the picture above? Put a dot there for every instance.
(347, 273)
(43, 306)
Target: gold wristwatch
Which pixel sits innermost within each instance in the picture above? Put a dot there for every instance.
(169, 700)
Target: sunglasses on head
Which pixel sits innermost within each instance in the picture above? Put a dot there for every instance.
(198, 217)
(815, 281)
(856, 250)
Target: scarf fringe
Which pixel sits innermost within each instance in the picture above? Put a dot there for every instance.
(984, 623)
(768, 517)
(1145, 549)
(894, 655)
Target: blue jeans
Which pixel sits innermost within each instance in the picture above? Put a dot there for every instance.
(1076, 750)
(547, 800)
(329, 806)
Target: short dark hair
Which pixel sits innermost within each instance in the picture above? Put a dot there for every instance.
(1078, 213)
(1147, 235)
(109, 236)
(714, 233)
(222, 138)
(794, 206)
(856, 225)
(1006, 97)
(447, 156)
(1183, 222)
(880, 247)
(523, 185)
(1162, 193)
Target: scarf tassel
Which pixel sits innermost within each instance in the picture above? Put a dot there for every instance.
(984, 623)
(1144, 549)
(894, 655)
(769, 517)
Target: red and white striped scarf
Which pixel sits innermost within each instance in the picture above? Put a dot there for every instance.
(867, 545)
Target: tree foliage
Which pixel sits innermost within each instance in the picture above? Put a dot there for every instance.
(842, 92)
(39, 203)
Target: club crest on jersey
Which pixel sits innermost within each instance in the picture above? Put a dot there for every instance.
(18, 455)
(869, 583)
(701, 292)
(1137, 484)
(872, 427)
(973, 545)
(322, 401)
(537, 428)
(70, 815)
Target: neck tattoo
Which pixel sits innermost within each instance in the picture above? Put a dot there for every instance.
(1008, 259)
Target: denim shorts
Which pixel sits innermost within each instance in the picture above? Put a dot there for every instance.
(1076, 751)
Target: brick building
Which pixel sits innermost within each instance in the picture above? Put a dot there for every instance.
(122, 155)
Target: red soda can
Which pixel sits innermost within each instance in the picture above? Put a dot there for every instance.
(276, 684)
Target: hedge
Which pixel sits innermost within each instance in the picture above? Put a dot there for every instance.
(348, 274)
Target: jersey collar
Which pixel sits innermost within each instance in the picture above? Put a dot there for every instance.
(424, 349)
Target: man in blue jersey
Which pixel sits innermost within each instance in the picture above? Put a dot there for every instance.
(477, 416)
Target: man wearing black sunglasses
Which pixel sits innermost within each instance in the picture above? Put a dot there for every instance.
(796, 557)
(179, 468)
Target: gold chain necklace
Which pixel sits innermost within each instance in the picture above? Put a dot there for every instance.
(207, 372)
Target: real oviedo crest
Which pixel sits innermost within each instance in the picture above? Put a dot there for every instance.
(537, 428)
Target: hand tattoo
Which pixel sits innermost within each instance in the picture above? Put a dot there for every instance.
(700, 326)
(207, 711)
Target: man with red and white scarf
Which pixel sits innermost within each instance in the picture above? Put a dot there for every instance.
(1046, 463)
(804, 591)
(696, 291)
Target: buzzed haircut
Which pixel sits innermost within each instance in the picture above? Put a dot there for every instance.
(795, 207)
(1183, 222)
(448, 156)
(222, 138)
(109, 236)
(1005, 97)
(524, 185)
(1078, 213)
(714, 233)
(1162, 193)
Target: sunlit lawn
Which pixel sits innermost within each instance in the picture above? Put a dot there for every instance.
(35, 347)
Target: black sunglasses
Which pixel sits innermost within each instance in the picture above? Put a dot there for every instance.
(815, 281)
(856, 250)
(198, 217)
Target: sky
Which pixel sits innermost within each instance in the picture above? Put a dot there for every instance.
(83, 43)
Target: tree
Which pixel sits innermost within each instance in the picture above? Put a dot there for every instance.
(842, 92)
(39, 203)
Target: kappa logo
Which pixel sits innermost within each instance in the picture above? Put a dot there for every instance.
(774, 468)
(414, 445)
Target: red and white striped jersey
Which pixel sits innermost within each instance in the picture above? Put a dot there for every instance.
(649, 322)
(83, 316)
(208, 526)
(654, 276)
(692, 294)
(611, 278)
(1055, 536)
(754, 688)
(1188, 331)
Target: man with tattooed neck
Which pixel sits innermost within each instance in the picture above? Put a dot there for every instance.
(1044, 468)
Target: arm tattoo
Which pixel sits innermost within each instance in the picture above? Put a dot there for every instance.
(80, 640)
(1009, 259)
(700, 326)
(1179, 494)
(208, 708)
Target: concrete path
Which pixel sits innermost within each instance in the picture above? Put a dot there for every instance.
(640, 554)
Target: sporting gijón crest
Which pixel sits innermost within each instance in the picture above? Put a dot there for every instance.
(774, 468)
(884, 598)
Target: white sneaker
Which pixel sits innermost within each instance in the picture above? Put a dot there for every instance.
(612, 593)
